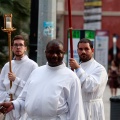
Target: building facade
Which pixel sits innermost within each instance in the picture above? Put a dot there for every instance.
(110, 20)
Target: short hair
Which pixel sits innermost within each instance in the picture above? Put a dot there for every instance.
(84, 40)
(54, 41)
(19, 37)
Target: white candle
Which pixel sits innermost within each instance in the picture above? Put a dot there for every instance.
(8, 24)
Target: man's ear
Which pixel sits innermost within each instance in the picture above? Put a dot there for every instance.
(93, 50)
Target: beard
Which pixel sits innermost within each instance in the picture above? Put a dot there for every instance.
(84, 58)
(19, 55)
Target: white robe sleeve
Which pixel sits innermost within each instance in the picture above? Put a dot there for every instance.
(91, 81)
(75, 102)
(19, 83)
(4, 96)
(19, 103)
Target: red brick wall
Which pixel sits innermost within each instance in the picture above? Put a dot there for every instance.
(75, 5)
(111, 5)
(109, 23)
(77, 23)
(112, 24)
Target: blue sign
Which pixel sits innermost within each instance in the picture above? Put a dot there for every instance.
(48, 29)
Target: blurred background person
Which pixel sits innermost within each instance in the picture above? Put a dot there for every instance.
(113, 77)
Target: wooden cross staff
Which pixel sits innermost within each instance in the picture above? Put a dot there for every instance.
(70, 28)
(8, 28)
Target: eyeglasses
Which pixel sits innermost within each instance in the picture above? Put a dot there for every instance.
(18, 45)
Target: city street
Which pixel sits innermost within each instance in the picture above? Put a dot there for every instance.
(106, 101)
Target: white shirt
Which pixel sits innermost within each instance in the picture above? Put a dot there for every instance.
(93, 77)
(52, 93)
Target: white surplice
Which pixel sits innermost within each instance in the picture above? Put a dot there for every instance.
(93, 77)
(51, 93)
(22, 69)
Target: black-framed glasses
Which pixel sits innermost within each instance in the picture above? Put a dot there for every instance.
(18, 45)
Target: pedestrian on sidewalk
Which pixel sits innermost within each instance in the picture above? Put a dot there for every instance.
(113, 74)
(93, 78)
(22, 67)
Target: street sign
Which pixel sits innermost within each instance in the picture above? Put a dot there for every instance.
(101, 47)
(48, 29)
(89, 34)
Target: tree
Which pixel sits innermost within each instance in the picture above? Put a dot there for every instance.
(20, 10)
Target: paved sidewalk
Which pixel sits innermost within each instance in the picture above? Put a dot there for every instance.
(106, 101)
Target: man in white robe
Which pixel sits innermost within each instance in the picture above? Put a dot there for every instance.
(52, 92)
(22, 66)
(93, 78)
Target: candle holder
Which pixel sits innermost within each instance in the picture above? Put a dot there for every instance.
(8, 23)
(8, 28)
(114, 46)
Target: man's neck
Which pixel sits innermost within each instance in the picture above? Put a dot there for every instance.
(19, 57)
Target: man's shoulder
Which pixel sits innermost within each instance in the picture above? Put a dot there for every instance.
(99, 65)
(32, 61)
(40, 68)
(69, 71)
(6, 64)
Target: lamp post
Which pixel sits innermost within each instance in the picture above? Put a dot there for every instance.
(8, 28)
(46, 17)
(114, 46)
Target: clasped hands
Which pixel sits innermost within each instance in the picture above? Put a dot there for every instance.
(6, 107)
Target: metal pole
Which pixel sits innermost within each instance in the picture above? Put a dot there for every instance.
(46, 21)
(70, 28)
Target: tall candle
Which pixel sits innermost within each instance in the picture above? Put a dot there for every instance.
(8, 24)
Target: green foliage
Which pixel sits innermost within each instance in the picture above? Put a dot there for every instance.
(3, 54)
(20, 10)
